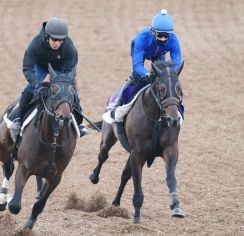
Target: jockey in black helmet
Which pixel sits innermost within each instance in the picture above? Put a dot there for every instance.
(51, 45)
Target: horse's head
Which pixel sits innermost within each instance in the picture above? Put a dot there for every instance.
(61, 95)
(167, 91)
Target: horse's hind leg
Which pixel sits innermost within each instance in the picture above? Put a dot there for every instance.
(108, 140)
(171, 157)
(8, 169)
(20, 180)
(136, 165)
(46, 190)
(126, 175)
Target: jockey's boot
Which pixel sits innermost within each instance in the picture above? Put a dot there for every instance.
(79, 117)
(83, 130)
(16, 115)
(118, 101)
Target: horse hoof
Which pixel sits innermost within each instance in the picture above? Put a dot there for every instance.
(136, 220)
(3, 206)
(30, 223)
(94, 179)
(13, 208)
(116, 204)
(178, 212)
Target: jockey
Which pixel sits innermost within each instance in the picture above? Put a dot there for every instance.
(152, 44)
(51, 45)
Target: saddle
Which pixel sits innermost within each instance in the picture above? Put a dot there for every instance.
(129, 97)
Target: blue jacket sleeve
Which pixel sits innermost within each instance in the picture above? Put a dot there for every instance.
(175, 52)
(138, 57)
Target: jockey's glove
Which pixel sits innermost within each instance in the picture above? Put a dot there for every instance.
(145, 80)
(39, 88)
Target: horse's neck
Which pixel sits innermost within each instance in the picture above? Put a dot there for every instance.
(150, 103)
(46, 127)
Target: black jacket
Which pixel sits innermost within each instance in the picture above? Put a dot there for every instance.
(40, 52)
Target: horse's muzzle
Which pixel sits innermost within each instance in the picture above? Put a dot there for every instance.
(173, 121)
(65, 121)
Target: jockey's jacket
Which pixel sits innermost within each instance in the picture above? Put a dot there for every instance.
(145, 46)
(39, 52)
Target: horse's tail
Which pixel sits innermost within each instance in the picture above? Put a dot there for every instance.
(97, 124)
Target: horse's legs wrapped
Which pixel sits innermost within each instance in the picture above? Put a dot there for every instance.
(126, 175)
(8, 169)
(171, 157)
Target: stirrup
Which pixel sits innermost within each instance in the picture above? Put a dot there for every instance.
(16, 125)
(83, 130)
(112, 113)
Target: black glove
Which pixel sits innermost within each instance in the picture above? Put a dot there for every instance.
(39, 88)
(145, 80)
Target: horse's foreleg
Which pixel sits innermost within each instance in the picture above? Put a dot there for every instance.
(126, 175)
(46, 190)
(105, 146)
(39, 183)
(136, 170)
(20, 181)
(8, 169)
(171, 157)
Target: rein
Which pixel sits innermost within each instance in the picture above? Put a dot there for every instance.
(58, 123)
(161, 104)
(161, 109)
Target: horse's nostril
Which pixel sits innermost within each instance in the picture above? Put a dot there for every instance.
(173, 122)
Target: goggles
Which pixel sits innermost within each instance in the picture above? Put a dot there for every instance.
(56, 40)
(161, 35)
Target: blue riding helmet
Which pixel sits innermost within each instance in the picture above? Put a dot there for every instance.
(163, 22)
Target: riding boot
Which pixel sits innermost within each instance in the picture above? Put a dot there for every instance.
(79, 117)
(118, 101)
(16, 115)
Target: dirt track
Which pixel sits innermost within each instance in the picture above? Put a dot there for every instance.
(211, 164)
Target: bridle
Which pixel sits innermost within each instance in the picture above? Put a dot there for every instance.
(57, 94)
(162, 97)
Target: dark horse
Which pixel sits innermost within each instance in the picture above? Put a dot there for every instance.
(48, 143)
(152, 127)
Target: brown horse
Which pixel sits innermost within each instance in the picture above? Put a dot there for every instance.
(152, 127)
(48, 143)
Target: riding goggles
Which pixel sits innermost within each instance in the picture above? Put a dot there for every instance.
(56, 40)
(161, 35)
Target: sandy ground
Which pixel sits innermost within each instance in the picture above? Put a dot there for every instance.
(210, 170)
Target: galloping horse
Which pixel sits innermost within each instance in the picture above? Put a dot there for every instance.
(48, 142)
(152, 127)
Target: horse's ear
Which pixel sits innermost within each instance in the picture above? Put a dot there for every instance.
(72, 73)
(51, 71)
(156, 69)
(180, 68)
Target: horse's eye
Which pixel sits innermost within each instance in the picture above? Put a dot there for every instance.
(55, 89)
(178, 90)
(162, 90)
(71, 90)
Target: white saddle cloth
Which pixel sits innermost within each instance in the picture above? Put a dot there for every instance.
(121, 111)
(29, 119)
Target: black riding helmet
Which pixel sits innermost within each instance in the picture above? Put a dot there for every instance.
(56, 28)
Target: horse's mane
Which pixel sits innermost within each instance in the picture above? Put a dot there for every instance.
(163, 64)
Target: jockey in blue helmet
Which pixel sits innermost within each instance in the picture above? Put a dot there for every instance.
(152, 44)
